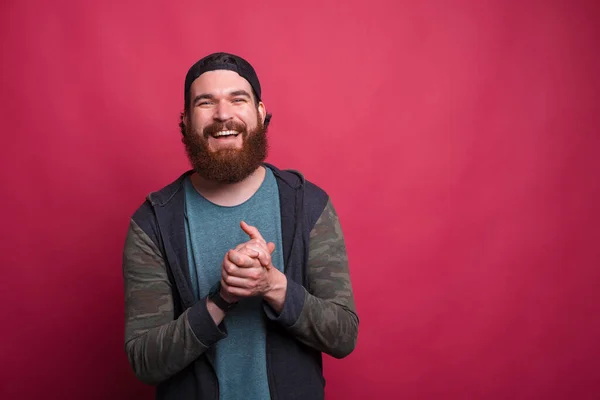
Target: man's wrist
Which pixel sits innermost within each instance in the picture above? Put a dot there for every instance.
(227, 297)
(276, 295)
(220, 299)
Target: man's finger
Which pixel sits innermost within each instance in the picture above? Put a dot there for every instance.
(237, 282)
(240, 259)
(251, 231)
(255, 251)
(252, 251)
(231, 291)
(230, 269)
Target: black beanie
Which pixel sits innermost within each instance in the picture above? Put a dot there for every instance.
(217, 61)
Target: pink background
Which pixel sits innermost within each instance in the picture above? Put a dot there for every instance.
(459, 141)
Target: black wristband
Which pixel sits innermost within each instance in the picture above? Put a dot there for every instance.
(215, 297)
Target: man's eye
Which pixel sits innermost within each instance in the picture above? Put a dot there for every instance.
(204, 103)
(238, 100)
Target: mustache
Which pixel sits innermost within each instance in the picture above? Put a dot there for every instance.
(224, 126)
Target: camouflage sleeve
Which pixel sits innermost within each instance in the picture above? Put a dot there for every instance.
(157, 345)
(328, 321)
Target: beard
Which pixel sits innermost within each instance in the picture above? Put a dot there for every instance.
(226, 165)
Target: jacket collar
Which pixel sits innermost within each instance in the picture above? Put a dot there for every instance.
(160, 198)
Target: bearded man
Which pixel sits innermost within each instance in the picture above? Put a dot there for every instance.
(236, 274)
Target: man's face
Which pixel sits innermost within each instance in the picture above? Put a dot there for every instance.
(225, 137)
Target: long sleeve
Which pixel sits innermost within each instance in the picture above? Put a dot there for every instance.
(158, 345)
(324, 316)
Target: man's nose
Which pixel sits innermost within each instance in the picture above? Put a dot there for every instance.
(223, 111)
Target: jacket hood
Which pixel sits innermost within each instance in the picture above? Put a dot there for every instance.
(293, 179)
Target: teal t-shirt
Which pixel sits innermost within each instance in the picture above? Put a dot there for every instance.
(211, 231)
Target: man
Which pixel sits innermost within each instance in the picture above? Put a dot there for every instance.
(236, 275)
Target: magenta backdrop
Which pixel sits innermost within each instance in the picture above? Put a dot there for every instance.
(459, 141)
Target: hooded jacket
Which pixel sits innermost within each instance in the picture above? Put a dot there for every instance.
(169, 336)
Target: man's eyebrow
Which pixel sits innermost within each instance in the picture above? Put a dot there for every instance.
(203, 96)
(240, 93)
(208, 96)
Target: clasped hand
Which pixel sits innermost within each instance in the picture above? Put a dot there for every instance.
(247, 270)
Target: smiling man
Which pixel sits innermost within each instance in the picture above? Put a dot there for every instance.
(236, 274)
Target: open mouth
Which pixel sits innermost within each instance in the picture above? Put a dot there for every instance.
(225, 134)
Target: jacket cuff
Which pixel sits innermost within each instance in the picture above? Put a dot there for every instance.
(203, 326)
(292, 306)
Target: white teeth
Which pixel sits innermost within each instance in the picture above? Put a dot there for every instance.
(226, 133)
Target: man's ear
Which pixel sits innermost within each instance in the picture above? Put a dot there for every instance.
(262, 111)
(184, 123)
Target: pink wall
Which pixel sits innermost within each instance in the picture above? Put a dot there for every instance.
(459, 143)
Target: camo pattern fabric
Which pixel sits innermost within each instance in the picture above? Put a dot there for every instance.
(157, 345)
(328, 321)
